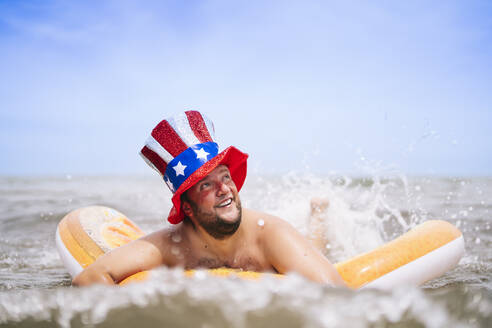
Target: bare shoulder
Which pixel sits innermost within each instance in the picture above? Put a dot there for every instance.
(159, 237)
(275, 235)
(163, 242)
(266, 224)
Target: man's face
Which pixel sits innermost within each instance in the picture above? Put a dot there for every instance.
(214, 203)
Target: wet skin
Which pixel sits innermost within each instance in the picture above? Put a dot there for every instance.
(217, 232)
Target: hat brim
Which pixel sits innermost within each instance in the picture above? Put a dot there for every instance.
(232, 157)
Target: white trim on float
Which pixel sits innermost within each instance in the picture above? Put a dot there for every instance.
(73, 267)
(425, 268)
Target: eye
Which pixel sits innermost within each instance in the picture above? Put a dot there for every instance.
(226, 177)
(204, 185)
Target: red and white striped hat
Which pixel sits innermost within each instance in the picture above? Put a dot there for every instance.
(183, 150)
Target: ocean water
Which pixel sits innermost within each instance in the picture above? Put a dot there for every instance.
(363, 213)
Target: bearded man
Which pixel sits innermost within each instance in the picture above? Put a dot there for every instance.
(210, 227)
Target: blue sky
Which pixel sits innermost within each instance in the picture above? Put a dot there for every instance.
(322, 86)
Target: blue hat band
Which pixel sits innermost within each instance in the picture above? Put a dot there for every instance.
(185, 164)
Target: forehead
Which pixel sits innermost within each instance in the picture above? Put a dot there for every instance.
(218, 170)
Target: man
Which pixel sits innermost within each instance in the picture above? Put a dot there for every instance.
(212, 229)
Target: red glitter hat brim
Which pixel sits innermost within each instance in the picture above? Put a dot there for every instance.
(232, 157)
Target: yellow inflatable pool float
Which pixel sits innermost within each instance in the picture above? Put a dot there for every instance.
(424, 253)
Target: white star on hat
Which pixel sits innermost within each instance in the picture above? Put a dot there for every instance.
(201, 154)
(180, 169)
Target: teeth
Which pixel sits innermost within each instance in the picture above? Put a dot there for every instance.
(225, 203)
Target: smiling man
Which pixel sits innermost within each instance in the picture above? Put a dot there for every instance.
(211, 228)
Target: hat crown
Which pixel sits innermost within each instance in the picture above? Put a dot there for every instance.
(173, 135)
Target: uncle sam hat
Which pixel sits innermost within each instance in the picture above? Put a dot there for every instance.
(183, 150)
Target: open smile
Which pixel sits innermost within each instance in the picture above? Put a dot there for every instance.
(225, 203)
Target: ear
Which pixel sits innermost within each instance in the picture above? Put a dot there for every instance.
(186, 207)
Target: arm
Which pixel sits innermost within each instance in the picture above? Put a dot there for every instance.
(142, 254)
(287, 250)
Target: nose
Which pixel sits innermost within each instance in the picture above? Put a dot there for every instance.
(222, 188)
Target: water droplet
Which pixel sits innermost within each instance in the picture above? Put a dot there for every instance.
(175, 250)
(176, 238)
(261, 223)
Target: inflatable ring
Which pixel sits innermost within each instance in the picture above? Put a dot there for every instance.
(424, 253)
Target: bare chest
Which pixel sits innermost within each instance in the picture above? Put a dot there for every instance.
(248, 261)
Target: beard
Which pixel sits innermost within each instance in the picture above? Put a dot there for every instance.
(214, 224)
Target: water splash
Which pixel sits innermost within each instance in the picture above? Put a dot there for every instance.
(360, 214)
(170, 299)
